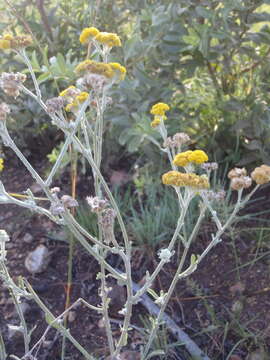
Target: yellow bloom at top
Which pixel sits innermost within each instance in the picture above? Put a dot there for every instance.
(109, 39)
(9, 41)
(182, 159)
(119, 69)
(1, 164)
(159, 109)
(87, 34)
(196, 156)
(5, 42)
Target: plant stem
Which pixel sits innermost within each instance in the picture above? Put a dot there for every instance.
(60, 327)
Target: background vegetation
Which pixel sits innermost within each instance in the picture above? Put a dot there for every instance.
(208, 59)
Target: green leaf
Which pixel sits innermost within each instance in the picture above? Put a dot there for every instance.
(203, 12)
(44, 77)
(50, 320)
(155, 353)
(34, 61)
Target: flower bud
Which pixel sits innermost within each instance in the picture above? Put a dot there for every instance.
(11, 82)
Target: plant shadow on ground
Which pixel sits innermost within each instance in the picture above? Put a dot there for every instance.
(223, 306)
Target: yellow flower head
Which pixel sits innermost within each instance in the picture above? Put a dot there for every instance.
(95, 68)
(79, 99)
(1, 164)
(176, 178)
(88, 34)
(70, 107)
(159, 109)
(5, 44)
(157, 120)
(119, 70)
(82, 97)
(182, 159)
(198, 157)
(109, 39)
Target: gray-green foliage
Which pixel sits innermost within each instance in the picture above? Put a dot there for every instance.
(208, 59)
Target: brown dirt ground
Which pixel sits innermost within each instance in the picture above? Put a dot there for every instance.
(213, 299)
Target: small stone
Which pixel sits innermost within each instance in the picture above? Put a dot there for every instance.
(28, 238)
(71, 316)
(37, 260)
(15, 332)
(36, 188)
(237, 307)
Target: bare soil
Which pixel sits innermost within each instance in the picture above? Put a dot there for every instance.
(224, 302)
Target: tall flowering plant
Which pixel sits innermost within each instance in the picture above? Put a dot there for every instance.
(78, 112)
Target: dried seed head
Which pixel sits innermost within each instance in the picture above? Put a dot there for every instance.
(209, 166)
(96, 204)
(261, 175)
(54, 104)
(94, 81)
(108, 218)
(68, 201)
(237, 172)
(107, 224)
(241, 182)
(169, 142)
(11, 82)
(4, 110)
(181, 138)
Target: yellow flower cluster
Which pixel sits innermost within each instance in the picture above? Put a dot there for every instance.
(8, 42)
(109, 39)
(156, 121)
(184, 158)
(176, 178)
(118, 70)
(159, 109)
(88, 34)
(105, 38)
(261, 175)
(108, 70)
(78, 100)
(1, 164)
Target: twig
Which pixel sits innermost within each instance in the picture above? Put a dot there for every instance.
(181, 336)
